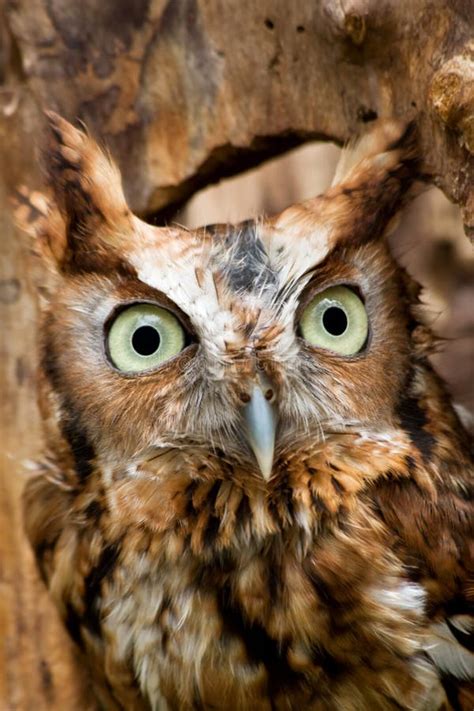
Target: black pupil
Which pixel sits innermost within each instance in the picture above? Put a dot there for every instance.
(146, 340)
(335, 321)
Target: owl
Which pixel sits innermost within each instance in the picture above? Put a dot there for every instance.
(255, 493)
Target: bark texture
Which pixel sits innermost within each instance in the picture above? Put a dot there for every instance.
(184, 92)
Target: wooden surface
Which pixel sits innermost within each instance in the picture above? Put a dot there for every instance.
(38, 670)
(184, 92)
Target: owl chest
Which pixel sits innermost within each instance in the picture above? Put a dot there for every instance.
(259, 633)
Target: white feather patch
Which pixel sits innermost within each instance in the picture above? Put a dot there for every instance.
(405, 596)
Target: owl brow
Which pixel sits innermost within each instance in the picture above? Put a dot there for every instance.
(313, 279)
(315, 286)
(134, 290)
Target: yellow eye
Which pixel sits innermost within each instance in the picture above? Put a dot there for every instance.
(337, 320)
(144, 336)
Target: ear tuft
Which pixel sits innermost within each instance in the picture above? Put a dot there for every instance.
(375, 178)
(87, 188)
(391, 144)
(85, 180)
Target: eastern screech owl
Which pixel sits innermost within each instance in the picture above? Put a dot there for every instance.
(256, 494)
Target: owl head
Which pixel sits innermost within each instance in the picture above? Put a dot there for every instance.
(225, 351)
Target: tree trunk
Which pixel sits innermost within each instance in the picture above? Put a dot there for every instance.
(184, 92)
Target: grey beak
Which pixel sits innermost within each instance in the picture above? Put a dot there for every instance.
(260, 425)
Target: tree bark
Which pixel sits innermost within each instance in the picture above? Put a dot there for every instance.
(184, 92)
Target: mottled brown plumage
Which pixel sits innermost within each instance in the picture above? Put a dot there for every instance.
(339, 579)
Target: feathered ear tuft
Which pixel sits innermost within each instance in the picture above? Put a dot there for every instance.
(389, 145)
(375, 178)
(87, 194)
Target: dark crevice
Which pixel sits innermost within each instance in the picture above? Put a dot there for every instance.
(260, 647)
(224, 162)
(93, 585)
(11, 65)
(366, 115)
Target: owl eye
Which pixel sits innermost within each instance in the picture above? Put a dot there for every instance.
(336, 319)
(144, 336)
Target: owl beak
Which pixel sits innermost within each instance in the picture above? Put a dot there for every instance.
(260, 424)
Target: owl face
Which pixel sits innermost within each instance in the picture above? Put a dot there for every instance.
(227, 347)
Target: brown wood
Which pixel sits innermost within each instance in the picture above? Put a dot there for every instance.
(184, 92)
